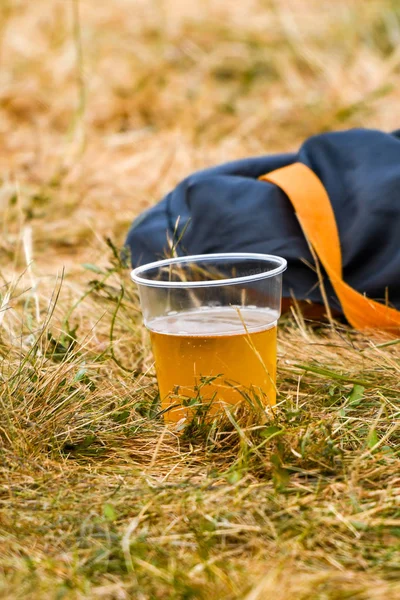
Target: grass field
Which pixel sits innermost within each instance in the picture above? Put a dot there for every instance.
(104, 107)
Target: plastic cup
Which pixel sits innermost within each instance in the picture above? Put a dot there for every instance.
(213, 323)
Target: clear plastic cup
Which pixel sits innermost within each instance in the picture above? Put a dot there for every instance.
(213, 322)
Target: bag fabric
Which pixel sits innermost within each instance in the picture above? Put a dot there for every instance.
(228, 209)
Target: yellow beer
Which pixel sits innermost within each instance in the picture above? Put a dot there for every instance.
(214, 355)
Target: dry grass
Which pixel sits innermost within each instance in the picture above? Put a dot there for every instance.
(104, 106)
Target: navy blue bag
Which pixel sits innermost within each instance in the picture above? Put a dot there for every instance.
(227, 209)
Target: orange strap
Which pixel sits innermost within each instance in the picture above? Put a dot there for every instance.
(314, 211)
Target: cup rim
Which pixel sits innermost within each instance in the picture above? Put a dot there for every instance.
(136, 274)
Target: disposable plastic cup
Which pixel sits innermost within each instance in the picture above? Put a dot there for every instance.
(213, 324)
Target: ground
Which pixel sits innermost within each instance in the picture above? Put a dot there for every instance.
(104, 106)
